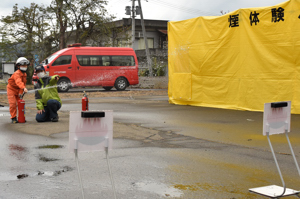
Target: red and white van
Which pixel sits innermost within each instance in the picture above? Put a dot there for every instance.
(93, 66)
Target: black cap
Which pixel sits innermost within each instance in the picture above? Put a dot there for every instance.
(40, 67)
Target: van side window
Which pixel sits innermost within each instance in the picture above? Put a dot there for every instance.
(122, 61)
(89, 60)
(62, 60)
(105, 60)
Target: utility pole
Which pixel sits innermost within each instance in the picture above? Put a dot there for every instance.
(133, 11)
(149, 62)
(133, 24)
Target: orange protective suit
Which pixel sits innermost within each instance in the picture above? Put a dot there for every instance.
(15, 86)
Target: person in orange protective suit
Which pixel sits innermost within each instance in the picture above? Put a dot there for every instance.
(16, 86)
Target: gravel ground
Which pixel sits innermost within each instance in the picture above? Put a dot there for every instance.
(32, 127)
(30, 96)
(145, 83)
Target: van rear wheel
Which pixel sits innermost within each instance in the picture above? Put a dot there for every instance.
(121, 84)
(63, 85)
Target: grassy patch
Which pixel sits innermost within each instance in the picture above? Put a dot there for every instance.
(2, 86)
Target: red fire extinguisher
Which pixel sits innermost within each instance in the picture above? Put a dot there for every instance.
(85, 102)
(21, 109)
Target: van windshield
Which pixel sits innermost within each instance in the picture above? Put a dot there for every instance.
(51, 57)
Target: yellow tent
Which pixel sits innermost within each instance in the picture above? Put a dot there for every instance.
(239, 60)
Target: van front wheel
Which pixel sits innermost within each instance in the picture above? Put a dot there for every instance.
(63, 85)
(121, 84)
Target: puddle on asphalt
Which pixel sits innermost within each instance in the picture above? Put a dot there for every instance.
(10, 177)
(50, 147)
(15, 147)
(206, 186)
(55, 173)
(45, 159)
(21, 176)
(194, 187)
(159, 188)
(18, 151)
(186, 187)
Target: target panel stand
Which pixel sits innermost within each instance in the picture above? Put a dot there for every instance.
(91, 131)
(277, 120)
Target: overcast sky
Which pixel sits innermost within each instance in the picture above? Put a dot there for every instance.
(169, 10)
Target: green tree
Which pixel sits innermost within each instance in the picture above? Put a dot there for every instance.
(79, 20)
(58, 14)
(118, 36)
(21, 33)
(38, 31)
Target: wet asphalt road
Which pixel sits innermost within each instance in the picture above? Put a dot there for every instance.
(197, 153)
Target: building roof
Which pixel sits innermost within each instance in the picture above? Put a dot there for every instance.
(147, 22)
(164, 31)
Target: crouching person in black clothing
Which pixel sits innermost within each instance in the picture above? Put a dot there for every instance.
(46, 96)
